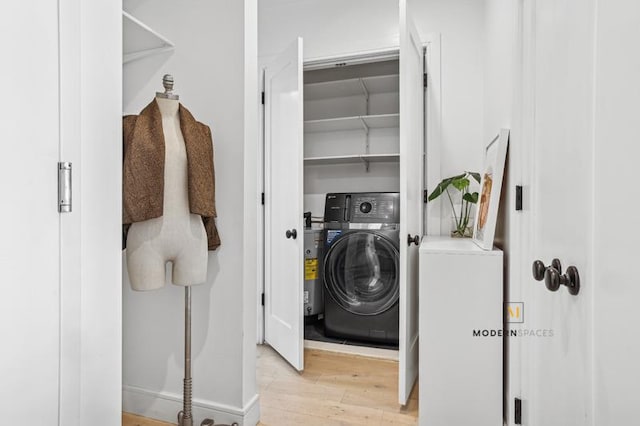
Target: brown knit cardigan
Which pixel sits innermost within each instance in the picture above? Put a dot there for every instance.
(143, 169)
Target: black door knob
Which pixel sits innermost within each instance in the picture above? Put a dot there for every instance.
(574, 280)
(413, 240)
(292, 234)
(571, 279)
(539, 268)
(552, 279)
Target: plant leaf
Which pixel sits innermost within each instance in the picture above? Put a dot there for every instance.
(471, 197)
(460, 176)
(461, 184)
(475, 175)
(442, 186)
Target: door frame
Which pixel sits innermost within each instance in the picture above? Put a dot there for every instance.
(90, 319)
(521, 224)
(433, 130)
(433, 137)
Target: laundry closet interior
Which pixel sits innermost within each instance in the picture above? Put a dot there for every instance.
(344, 140)
(351, 146)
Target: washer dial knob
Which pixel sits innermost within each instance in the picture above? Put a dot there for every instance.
(365, 207)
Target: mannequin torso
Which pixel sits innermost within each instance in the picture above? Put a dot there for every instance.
(178, 236)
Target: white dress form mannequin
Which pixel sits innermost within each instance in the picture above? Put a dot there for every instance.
(178, 236)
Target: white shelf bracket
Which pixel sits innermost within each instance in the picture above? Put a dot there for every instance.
(166, 46)
(366, 94)
(366, 138)
(364, 124)
(366, 163)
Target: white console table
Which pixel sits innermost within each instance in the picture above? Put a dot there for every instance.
(461, 293)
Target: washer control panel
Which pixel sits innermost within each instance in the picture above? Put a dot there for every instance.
(375, 207)
(362, 207)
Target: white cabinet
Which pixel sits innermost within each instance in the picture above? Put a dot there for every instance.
(461, 321)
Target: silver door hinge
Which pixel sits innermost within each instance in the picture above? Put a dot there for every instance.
(64, 187)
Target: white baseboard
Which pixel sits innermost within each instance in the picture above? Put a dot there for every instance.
(389, 354)
(165, 406)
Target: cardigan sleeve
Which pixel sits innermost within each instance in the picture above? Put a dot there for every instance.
(210, 222)
(128, 124)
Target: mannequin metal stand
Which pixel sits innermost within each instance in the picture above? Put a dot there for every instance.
(185, 417)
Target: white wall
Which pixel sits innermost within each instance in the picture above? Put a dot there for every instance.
(616, 294)
(501, 49)
(334, 27)
(253, 208)
(208, 64)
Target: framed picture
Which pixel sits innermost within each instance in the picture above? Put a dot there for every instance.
(490, 186)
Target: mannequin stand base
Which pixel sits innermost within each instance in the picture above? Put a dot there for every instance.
(182, 421)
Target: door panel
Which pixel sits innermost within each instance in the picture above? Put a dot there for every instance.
(556, 375)
(71, 392)
(411, 206)
(29, 229)
(284, 256)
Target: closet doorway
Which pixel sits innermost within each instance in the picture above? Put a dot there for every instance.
(348, 122)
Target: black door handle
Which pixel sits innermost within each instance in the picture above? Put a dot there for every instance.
(554, 278)
(413, 240)
(292, 234)
(571, 279)
(539, 268)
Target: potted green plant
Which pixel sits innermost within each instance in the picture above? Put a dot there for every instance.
(462, 226)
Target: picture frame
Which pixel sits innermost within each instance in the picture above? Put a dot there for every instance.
(491, 176)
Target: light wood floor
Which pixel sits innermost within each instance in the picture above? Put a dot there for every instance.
(334, 389)
(131, 420)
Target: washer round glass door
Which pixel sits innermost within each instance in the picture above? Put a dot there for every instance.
(361, 272)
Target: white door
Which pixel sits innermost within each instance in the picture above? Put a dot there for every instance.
(45, 314)
(411, 205)
(29, 220)
(556, 367)
(284, 232)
